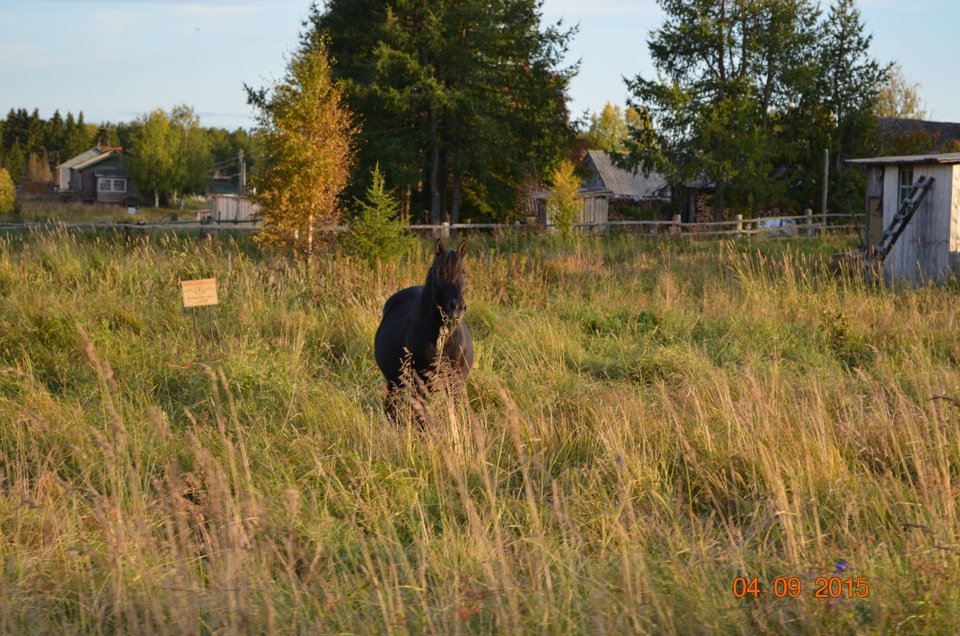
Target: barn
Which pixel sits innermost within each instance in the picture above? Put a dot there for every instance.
(912, 216)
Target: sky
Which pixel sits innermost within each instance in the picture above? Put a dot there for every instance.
(119, 59)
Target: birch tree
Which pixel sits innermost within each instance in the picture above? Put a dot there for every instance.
(152, 156)
(306, 133)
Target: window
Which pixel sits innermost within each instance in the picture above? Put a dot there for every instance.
(105, 184)
(906, 182)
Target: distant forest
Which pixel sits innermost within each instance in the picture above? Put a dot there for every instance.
(31, 147)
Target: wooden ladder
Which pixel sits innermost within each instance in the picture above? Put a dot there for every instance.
(909, 206)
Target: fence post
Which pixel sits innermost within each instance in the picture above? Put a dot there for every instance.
(808, 221)
(739, 219)
(676, 224)
(445, 229)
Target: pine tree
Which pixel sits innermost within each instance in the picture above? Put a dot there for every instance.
(459, 99)
(377, 231)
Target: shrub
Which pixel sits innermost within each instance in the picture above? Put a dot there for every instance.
(8, 193)
(562, 201)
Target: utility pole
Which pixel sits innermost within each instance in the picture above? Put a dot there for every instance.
(243, 173)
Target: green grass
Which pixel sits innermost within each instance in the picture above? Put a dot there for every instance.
(647, 421)
(39, 211)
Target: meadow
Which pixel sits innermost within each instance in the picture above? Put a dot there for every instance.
(651, 425)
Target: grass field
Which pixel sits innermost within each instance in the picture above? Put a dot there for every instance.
(647, 422)
(40, 211)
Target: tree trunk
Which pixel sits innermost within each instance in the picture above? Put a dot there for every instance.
(309, 241)
(457, 174)
(156, 198)
(718, 204)
(455, 203)
(444, 171)
(434, 167)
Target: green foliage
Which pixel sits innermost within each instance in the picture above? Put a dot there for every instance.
(152, 161)
(789, 85)
(8, 193)
(306, 132)
(562, 202)
(170, 153)
(376, 231)
(458, 99)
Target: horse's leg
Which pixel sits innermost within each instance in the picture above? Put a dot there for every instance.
(407, 399)
(416, 396)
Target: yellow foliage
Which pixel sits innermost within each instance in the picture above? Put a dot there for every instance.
(306, 131)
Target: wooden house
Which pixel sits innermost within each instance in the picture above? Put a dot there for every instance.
(98, 176)
(601, 174)
(603, 183)
(921, 240)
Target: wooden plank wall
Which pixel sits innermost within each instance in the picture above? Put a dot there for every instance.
(954, 257)
(922, 252)
(873, 224)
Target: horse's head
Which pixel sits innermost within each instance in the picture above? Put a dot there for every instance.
(447, 280)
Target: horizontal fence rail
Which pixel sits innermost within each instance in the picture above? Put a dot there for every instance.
(772, 226)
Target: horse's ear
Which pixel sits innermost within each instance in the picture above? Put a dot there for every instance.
(439, 247)
(462, 249)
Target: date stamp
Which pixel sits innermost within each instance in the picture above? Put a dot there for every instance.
(792, 587)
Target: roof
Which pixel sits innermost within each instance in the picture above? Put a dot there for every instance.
(90, 157)
(942, 130)
(623, 183)
(942, 158)
(90, 154)
(106, 153)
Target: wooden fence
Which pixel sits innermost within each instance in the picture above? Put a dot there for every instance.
(775, 226)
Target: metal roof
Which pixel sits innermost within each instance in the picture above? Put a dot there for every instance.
(106, 154)
(940, 131)
(943, 158)
(623, 183)
(90, 157)
(90, 154)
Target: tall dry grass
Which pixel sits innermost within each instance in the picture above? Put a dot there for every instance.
(647, 422)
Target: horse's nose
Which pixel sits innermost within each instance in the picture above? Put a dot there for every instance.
(456, 309)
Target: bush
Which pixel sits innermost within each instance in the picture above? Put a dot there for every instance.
(8, 193)
(377, 232)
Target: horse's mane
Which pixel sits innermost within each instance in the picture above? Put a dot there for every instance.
(448, 266)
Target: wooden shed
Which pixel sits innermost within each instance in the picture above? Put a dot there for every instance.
(594, 208)
(913, 231)
(230, 207)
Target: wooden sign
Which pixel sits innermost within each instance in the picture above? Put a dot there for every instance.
(197, 293)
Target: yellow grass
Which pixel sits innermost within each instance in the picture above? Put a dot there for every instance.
(647, 422)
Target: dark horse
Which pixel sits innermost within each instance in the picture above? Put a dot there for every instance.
(423, 329)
